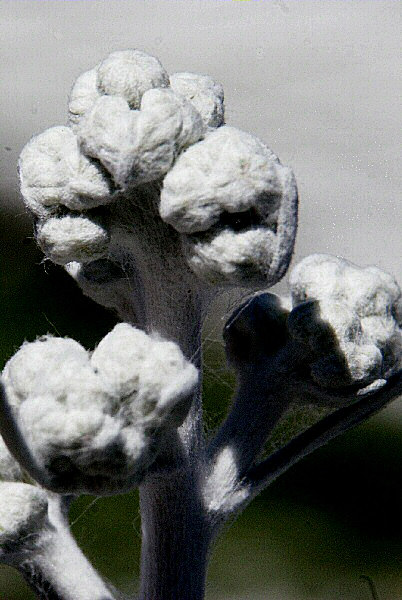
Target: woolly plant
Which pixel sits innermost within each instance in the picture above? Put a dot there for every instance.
(155, 206)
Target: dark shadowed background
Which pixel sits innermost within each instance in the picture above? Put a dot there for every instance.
(318, 82)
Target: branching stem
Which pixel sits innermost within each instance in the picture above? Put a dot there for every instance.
(320, 434)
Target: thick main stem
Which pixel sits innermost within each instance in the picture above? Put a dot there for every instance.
(175, 532)
(175, 539)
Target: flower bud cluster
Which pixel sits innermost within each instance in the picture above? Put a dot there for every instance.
(224, 192)
(94, 422)
(348, 319)
(341, 330)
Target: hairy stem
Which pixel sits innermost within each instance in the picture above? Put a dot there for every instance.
(16, 443)
(175, 539)
(320, 434)
(56, 569)
(258, 406)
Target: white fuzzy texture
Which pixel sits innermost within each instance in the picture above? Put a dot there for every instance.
(127, 74)
(232, 255)
(222, 491)
(352, 329)
(53, 172)
(73, 238)
(228, 171)
(138, 146)
(107, 132)
(9, 468)
(23, 511)
(150, 373)
(225, 193)
(168, 124)
(87, 417)
(204, 93)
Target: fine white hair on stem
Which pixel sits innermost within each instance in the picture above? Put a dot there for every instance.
(340, 312)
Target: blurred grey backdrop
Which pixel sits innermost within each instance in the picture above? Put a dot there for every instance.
(320, 83)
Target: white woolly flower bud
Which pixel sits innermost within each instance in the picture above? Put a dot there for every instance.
(107, 132)
(151, 374)
(93, 423)
(23, 512)
(237, 204)
(347, 320)
(341, 339)
(204, 93)
(138, 146)
(232, 203)
(53, 172)
(73, 238)
(128, 74)
(167, 118)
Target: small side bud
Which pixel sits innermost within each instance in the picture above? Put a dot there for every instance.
(73, 238)
(129, 74)
(204, 93)
(23, 512)
(53, 174)
(345, 320)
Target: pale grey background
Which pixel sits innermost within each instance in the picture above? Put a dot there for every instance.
(317, 81)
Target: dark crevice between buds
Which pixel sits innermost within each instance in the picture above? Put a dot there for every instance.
(113, 188)
(237, 222)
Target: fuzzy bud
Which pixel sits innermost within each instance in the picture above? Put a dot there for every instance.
(73, 238)
(137, 146)
(346, 318)
(129, 74)
(93, 422)
(53, 172)
(204, 93)
(229, 195)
